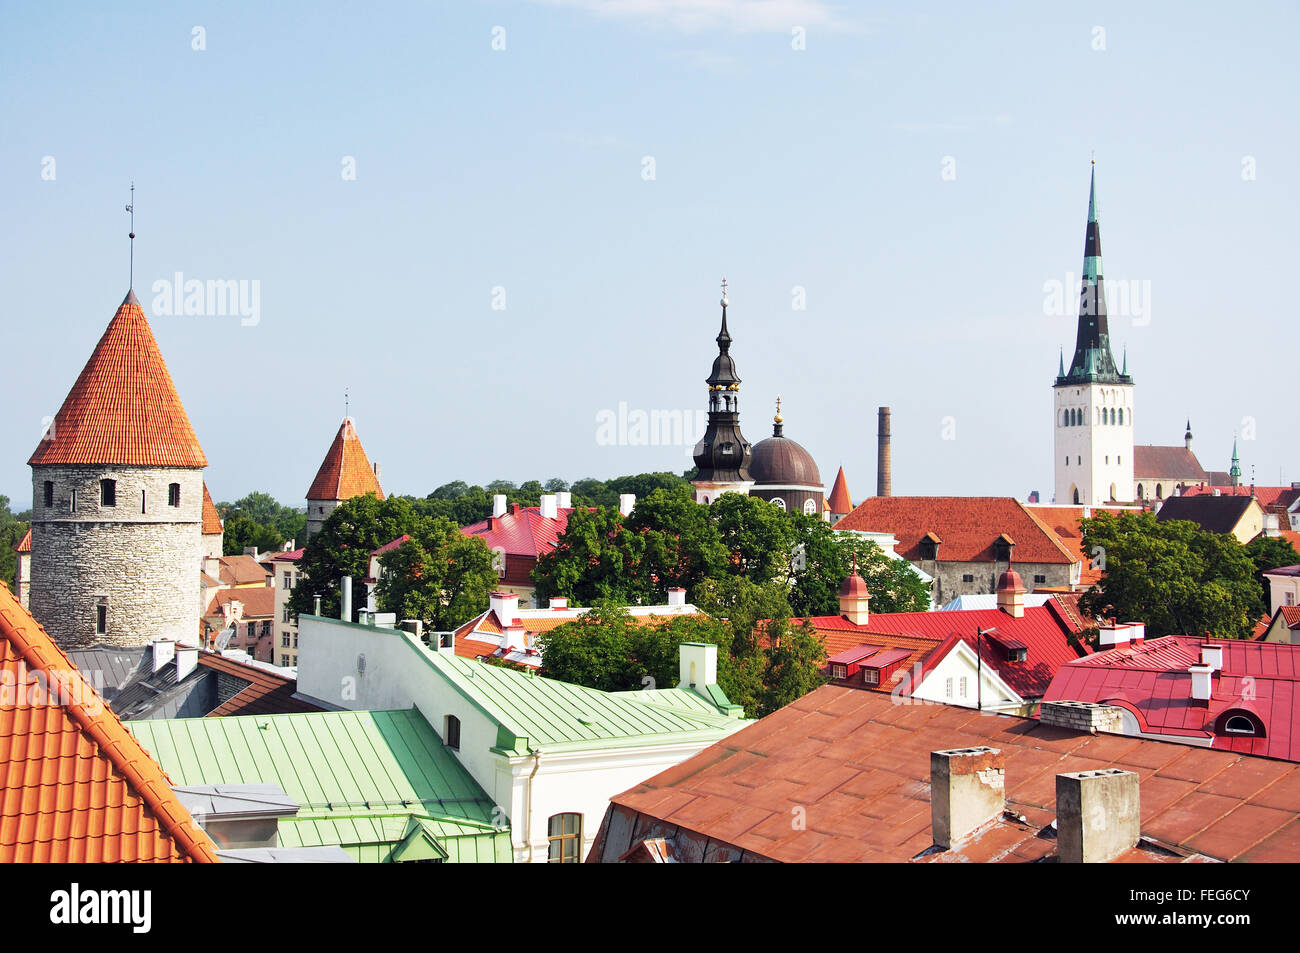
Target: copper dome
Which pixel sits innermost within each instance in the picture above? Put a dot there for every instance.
(780, 461)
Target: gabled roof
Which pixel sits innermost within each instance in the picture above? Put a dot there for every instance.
(1166, 463)
(24, 544)
(534, 712)
(1152, 681)
(123, 408)
(345, 472)
(859, 764)
(1064, 522)
(211, 518)
(360, 778)
(258, 602)
(266, 693)
(840, 501)
(967, 525)
(75, 785)
(241, 570)
(1214, 514)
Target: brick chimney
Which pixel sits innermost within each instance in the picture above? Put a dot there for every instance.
(505, 605)
(1011, 594)
(854, 598)
(884, 465)
(548, 507)
(499, 505)
(1097, 815)
(967, 789)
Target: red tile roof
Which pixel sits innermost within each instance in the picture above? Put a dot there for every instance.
(123, 408)
(1152, 682)
(967, 526)
(241, 570)
(75, 785)
(345, 472)
(211, 518)
(859, 767)
(268, 693)
(1269, 497)
(24, 544)
(1166, 463)
(292, 556)
(259, 602)
(1064, 522)
(840, 501)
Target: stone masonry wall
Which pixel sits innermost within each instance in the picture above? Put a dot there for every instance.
(139, 558)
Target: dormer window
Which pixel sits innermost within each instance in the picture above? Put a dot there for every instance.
(452, 733)
(1240, 723)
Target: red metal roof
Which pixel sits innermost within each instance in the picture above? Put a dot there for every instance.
(123, 408)
(858, 765)
(1153, 683)
(75, 784)
(266, 694)
(345, 472)
(1042, 630)
(967, 525)
(522, 532)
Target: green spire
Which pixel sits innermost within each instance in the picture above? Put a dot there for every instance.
(1124, 372)
(1062, 371)
(1092, 194)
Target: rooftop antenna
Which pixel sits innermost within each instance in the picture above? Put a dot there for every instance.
(345, 402)
(131, 235)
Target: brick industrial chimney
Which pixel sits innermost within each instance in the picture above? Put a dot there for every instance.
(884, 482)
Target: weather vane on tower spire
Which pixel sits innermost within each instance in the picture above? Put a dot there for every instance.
(131, 235)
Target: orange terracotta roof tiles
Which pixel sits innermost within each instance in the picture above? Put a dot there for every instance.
(24, 544)
(966, 525)
(258, 601)
(839, 501)
(75, 784)
(123, 408)
(211, 518)
(345, 471)
(267, 693)
(242, 570)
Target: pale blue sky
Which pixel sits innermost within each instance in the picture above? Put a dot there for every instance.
(522, 168)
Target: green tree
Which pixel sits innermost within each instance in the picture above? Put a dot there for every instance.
(746, 605)
(450, 491)
(595, 560)
(892, 582)
(795, 658)
(241, 531)
(343, 547)
(1270, 552)
(681, 546)
(758, 535)
(440, 575)
(12, 530)
(556, 485)
(1172, 575)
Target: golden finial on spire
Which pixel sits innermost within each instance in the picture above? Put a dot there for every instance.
(778, 418)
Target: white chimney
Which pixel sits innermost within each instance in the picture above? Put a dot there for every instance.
(548, 508)
(564, 500)
(164, 650)
(967, 789)
(505, 605)
(1137, 632)
(559, 602)
(1217, 493)
(1110, 636)
(250, 551)
(345, 602)
(376, 472)
(1202, 683)
(187, 659)
(512, 638)
(626, 501)
(1212, 655)
(697, 665)
(1098, 815)
(499, 504)
(677, 597)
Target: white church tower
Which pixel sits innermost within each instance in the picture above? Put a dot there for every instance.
(1093, 401)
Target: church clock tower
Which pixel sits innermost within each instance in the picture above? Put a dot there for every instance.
(1093, 400)
(723, 454)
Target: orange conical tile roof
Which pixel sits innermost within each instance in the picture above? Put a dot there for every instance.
(123, 409)
(840, 500)
(211, 518)
(345, 472)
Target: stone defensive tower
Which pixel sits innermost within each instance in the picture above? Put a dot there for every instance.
(117, 500)
(344, 473)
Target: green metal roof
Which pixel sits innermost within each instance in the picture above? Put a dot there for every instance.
(370, 782)
(533, 712)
